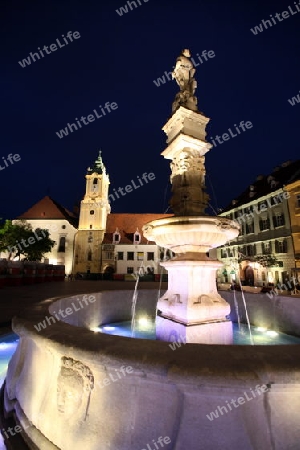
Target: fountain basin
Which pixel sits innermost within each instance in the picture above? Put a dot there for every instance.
(66, 384)
(191, 234)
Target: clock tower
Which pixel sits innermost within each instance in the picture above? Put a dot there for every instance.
(94, 209)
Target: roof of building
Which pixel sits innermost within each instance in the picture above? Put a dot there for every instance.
(47, 208)
(282, 175)
(98, 166)
(127, 225)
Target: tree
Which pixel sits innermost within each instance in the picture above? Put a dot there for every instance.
(267, 260)
(20, 239)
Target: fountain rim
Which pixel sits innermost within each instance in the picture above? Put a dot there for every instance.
(193, 361)
(193, 220)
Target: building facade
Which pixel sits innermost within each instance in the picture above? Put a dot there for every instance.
(62, 225)
(268, 214)
(97, 241)
(293, 188)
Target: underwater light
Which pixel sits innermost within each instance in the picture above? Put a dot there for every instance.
(261, 329)
(96, 329)
(143, 321)
(109, 328)
(272, 333)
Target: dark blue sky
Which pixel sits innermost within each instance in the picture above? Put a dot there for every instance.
(116, 59)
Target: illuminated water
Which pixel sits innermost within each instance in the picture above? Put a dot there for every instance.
(8, 344)
(145, 329)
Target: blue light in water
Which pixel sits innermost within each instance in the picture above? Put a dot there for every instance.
(4, 346)
(261, 336)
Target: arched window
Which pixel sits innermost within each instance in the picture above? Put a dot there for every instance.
(62, 244)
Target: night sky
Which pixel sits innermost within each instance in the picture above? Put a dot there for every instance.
(116, 59)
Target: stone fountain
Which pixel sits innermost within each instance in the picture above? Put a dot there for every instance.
(191, 309)
(69, 387)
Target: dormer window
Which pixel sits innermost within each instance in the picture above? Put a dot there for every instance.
(273, 184)
(116, 237)
(137, 237)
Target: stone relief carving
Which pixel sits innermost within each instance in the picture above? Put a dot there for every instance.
(186, 161)
(74, 385)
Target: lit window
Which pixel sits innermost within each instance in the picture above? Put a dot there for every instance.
(266, 248)
(278, 220)
(223, 253)
(140, 256)
(249, 228)
(264, 224)
(281, 246)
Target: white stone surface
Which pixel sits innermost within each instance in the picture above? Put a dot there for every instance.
(191, 234)
(192, 296)
(168, 393)
(205, 333)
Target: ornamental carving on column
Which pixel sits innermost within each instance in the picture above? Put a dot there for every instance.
(187, 161)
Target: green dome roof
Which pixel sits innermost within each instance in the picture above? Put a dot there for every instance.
(98, 166)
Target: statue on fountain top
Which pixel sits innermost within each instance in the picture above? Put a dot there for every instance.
(183, 73)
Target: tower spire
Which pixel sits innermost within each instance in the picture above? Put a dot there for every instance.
(98, 166)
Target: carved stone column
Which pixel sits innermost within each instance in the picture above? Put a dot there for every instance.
(191, 309)
(187, 147)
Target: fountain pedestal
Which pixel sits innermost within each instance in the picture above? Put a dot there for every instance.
(192, 310)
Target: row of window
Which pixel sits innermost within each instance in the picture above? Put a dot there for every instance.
(139, 256)
(272, 201)
(130, 256)
(117, 237)
(264, 224)
(130, 270)
(267, 248)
